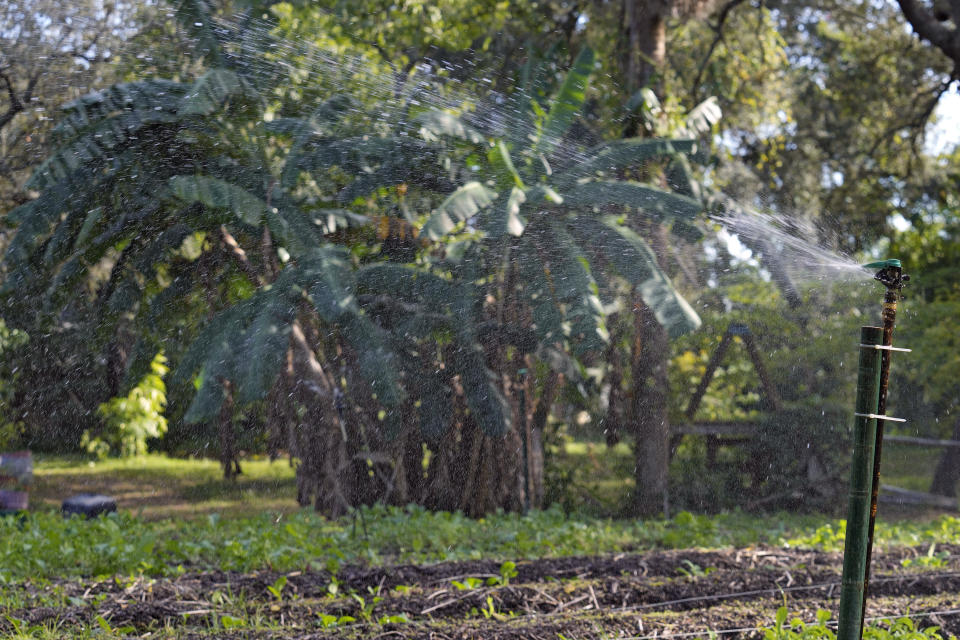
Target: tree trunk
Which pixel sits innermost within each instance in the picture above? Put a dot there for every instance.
(947, 473)
(649, 409)
(537, 423)
(324, 461)
(227, 435)
(645, 36)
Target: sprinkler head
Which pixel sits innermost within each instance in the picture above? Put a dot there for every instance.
(890, 274)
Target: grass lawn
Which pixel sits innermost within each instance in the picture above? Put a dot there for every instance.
(179, 515)
(156, 486)
(600, 480)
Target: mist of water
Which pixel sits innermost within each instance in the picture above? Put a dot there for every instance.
(787, 245)
(790, 244)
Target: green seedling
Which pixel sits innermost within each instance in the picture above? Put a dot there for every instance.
(931, 560)
(693, 570)
(796, 629)
(366, 608)
(112, 632)
(232, 622)
(276, 589)
(327, 620)
(507, 570)
(397, 619)
(490, 610)
(468, 583)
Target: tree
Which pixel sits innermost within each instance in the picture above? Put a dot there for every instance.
(50, 53)
(247, 235)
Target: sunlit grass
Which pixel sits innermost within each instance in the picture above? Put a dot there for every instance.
(600, 481)
(157, 486)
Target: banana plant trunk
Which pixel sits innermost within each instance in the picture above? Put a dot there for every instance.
(227, 435)
(649, 408)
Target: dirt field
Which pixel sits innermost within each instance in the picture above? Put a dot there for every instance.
(659, 594)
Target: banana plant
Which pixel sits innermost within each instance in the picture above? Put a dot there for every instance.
(571, 211)
(187, 211)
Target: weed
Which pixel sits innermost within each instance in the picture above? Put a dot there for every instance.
(396, 619)
(491, 611)
(468, 583)
(366, 608)
(276, 589)
(232, 622)
(327, 620)
(692, 570)
(507, 570)
(900, 629)
(929, 561)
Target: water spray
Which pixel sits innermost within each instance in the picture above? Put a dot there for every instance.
(876, 345)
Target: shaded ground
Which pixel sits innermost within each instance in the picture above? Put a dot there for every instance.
(628, 595)
(160, 487)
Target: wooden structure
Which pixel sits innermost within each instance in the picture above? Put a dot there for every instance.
(898, 495)
(725, 433)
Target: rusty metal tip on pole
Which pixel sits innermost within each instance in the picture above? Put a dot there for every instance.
(890, 273)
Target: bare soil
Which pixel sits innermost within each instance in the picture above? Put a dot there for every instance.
(656, 594)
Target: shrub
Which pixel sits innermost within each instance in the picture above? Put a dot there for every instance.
(128, 421)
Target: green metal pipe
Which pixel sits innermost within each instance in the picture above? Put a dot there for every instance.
(861, 477)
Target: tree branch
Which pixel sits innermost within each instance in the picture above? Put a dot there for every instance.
(718, 38)
(15, 105)
(931, 29)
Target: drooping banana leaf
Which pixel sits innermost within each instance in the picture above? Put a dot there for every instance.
(212, 90)
(461, 205)
(567, 104)
(144, 96)
(436, 123)
(219, 194)
(487, 404)
(264, 344)
(610, 158)
(703, 116)
(506, 218)
(408, 283)
(78, 158)
(636, 262)
(326, 275)
(483, 396)
(573, 288)
(648, 199)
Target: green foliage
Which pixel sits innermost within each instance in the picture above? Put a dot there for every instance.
(797, 629)
(47, 545)
(800, 455)
(564, 249)
(129, 421)
(11, 429)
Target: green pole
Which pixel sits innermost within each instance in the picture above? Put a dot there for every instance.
(861, 477)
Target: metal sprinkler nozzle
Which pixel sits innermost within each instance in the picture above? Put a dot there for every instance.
(890, 274)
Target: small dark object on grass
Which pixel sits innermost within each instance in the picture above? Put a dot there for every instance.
(88, 504)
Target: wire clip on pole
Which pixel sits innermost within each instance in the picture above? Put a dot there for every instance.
(884, 418)
(885, 347)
